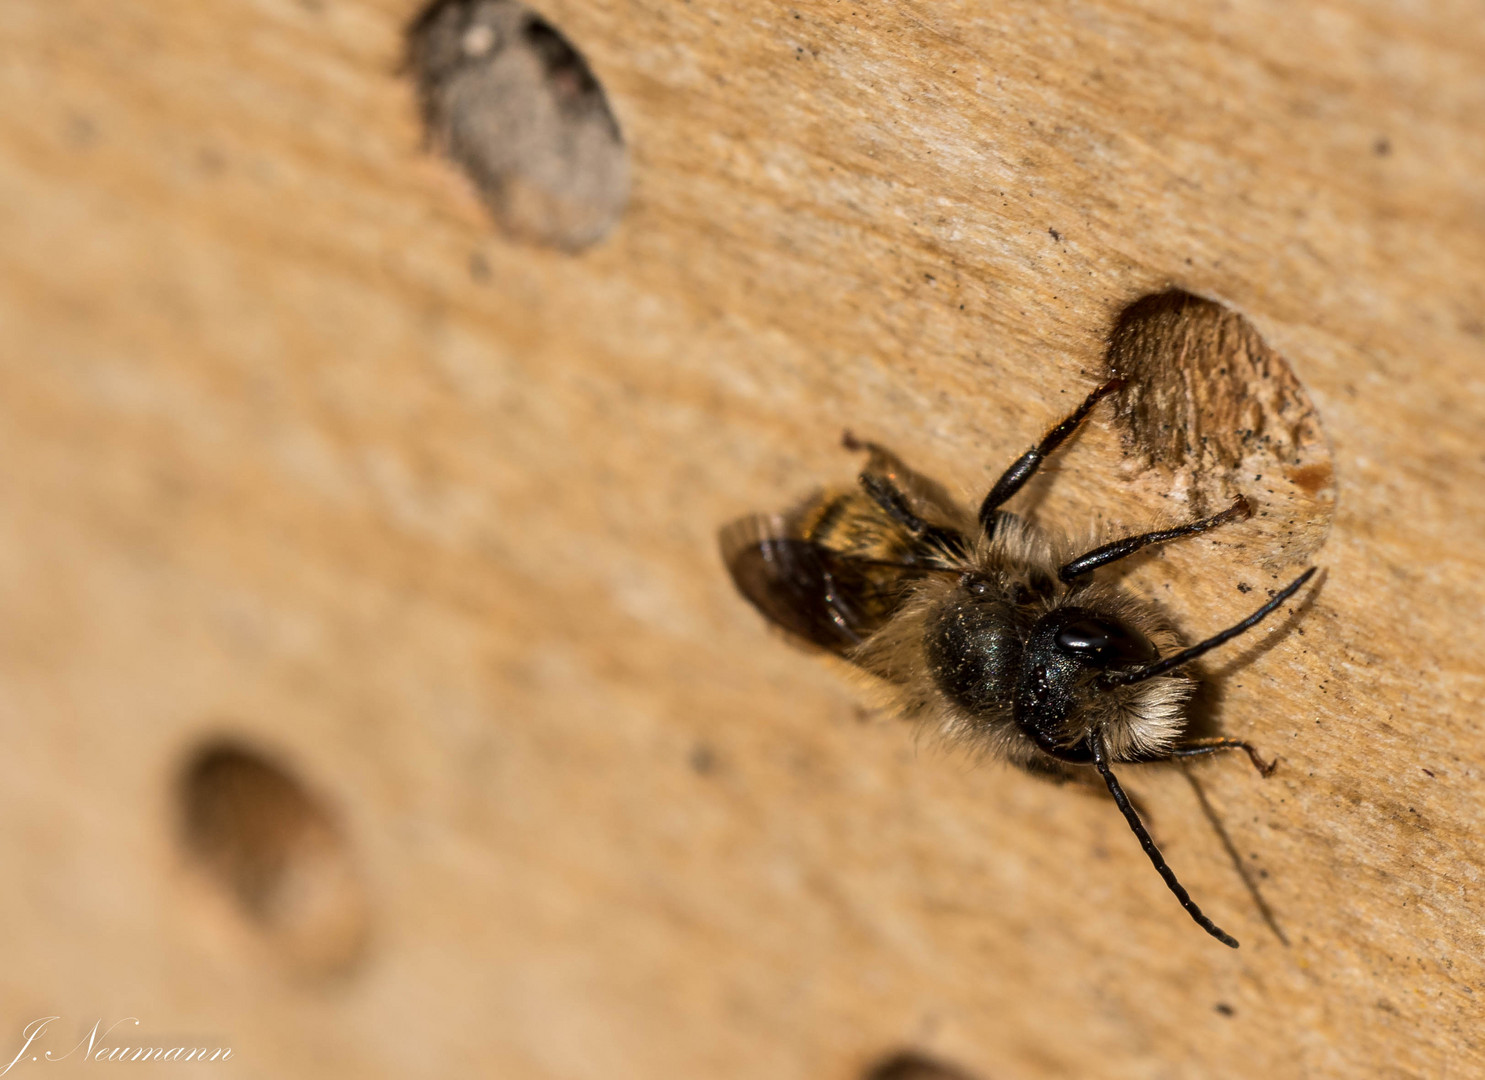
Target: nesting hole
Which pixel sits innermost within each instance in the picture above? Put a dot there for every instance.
(509, 99)
(1210, 404)
(911, 1065)
(275, 853)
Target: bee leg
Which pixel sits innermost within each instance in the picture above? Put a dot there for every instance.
(1240, 510)
(1212, 746)
(937, 540)
(1012, 480)
(925, 497)
(893, 502)
(879, 458)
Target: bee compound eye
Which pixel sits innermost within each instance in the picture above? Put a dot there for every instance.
(1103, 642)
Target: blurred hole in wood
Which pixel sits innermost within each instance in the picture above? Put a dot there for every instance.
(507, 97)
(277, 852)
(1210, 403)
(911, 1065)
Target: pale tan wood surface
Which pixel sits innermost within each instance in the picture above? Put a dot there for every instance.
(297, 448)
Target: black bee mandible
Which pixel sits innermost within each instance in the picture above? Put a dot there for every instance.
(985, 627)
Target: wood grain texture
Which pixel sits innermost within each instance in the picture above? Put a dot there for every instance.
(299, 451)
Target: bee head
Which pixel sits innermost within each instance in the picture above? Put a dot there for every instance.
(1066, 651)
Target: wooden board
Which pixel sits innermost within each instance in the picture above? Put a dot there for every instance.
(300, 451)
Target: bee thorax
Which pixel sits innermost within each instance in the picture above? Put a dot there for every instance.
(973, 647)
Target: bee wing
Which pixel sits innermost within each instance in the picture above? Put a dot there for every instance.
(827, 598)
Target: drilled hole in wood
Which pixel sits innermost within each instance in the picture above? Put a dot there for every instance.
(507, 97)
(273, 849)
(911, 1065)
(1209, 403)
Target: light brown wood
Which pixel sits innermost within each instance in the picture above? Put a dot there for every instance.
(300, 451)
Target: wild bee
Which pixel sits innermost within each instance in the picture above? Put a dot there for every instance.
(988, 628)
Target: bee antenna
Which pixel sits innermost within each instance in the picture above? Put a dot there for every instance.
(1101, 763)
(1112, 679)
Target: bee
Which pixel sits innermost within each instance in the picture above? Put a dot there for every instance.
(988, 628)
